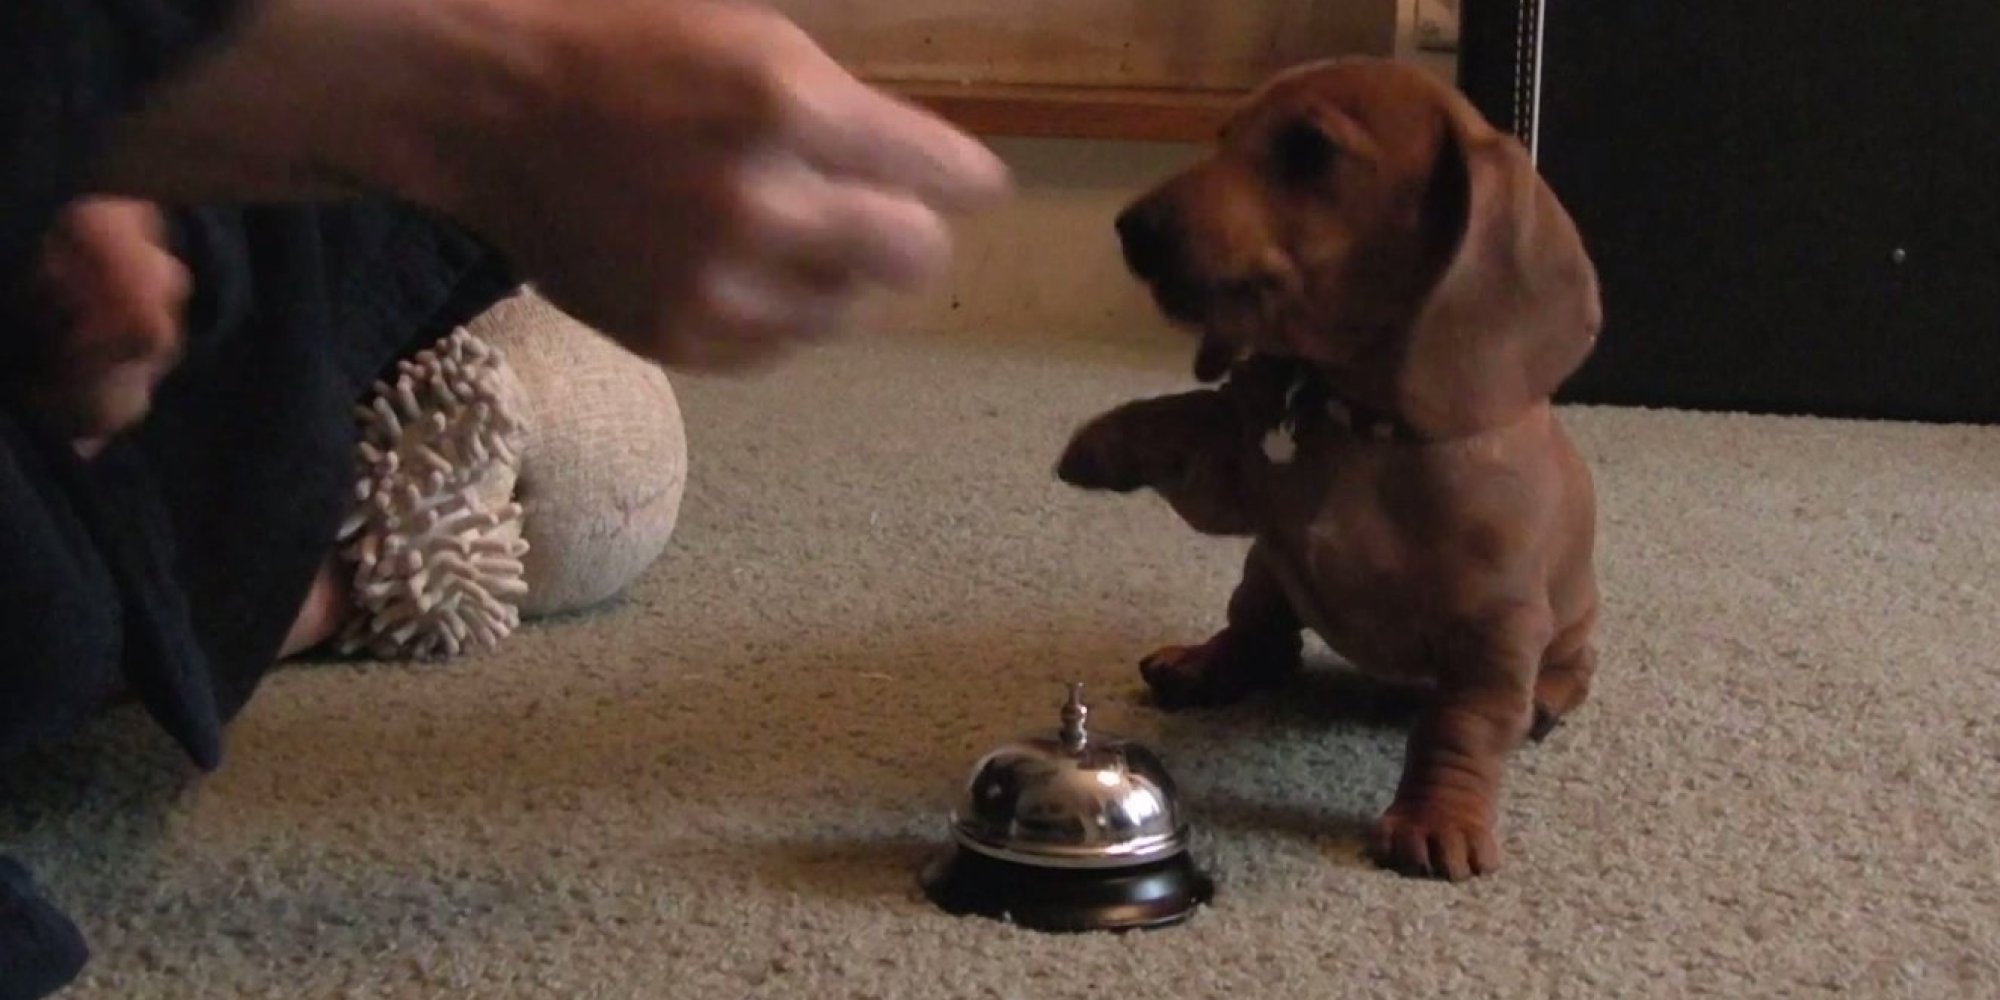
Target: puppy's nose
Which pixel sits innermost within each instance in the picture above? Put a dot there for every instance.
(1136, 222)
(1144, 238)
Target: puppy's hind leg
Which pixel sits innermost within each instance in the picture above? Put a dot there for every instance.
(1563, 682)
(1259, 648)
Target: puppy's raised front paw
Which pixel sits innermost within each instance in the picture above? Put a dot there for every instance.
(1221, 671)
(1097, 459)
(1430, 840)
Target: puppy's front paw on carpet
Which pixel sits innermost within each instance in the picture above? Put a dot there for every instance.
(1428, 840)
(1221, 671)
(1546, 721)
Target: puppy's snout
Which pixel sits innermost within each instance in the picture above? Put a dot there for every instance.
(1146, 237)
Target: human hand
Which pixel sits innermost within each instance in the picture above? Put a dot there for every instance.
(695, 178)
(110, 295)
(703, 183)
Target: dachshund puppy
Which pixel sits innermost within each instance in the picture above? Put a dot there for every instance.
(1393, 294)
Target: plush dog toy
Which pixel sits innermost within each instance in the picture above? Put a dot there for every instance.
(523, 466)
(1393, 294)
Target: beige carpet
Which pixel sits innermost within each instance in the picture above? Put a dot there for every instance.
(1788, 784)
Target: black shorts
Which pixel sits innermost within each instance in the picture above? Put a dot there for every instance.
(173, 566)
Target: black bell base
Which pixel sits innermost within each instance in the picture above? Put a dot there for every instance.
(1068, 900)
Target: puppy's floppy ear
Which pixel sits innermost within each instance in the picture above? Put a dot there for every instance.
(1514, 310)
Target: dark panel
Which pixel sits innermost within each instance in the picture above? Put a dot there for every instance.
(1792, 205)
(1496, 58)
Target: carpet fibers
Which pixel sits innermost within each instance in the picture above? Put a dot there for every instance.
(721, 786)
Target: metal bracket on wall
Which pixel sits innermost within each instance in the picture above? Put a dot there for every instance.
(1500, 63)
(1533, 14)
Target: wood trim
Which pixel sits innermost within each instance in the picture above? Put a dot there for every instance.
(1149, 115)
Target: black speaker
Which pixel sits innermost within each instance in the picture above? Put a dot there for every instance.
(1791, 205)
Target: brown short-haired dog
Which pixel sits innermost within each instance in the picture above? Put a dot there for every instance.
(1394, 295)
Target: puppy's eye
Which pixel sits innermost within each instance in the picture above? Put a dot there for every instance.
(1303, 151)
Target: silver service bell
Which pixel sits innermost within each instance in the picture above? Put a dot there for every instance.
(1070, 831)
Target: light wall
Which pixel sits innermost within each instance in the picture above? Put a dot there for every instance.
(1048, 261)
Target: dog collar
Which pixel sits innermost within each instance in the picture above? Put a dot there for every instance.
(1309, 399)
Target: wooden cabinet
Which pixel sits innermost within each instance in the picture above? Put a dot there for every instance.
(1125, 69)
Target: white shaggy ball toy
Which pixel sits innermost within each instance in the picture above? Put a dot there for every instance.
(522, 466)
